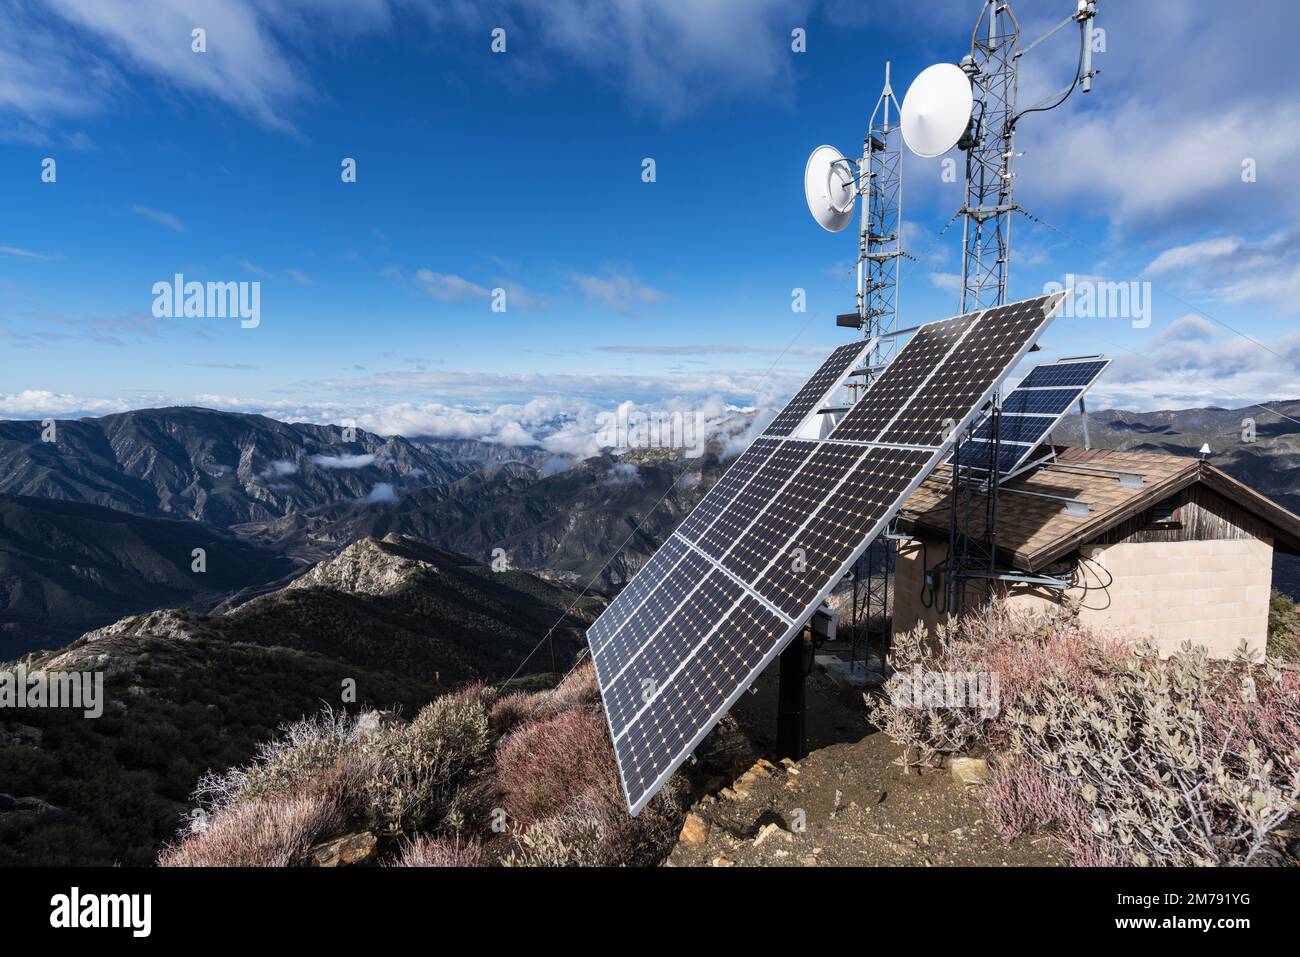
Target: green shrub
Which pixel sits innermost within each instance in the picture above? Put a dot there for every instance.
(1283, 628)
(423, 772)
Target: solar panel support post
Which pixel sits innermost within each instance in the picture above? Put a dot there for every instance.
(791, 714)
(972, 536)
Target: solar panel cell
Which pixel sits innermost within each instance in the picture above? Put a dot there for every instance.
(652, 663)
(740, 472)
(751, 552)
(652, 573)
(612, 656)
(746, 505)
(816, 389)
(1064, 374)
(866, 496)
(1018, 428)
(968, 374)
(890, 392)
(1047, 402)
(977, 454)
(675, 718)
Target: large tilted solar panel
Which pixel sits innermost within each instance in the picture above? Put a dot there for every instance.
(815, 391)
(743, 572)
(1030, 412)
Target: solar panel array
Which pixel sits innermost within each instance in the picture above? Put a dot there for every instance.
(1029, 414)
(743, 572)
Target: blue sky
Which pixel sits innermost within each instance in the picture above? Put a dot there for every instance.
(522, 171)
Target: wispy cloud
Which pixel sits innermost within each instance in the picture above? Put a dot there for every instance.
(725, 348)
(161, 217)
(19, 253)
(447, 287)
(618, 291)
(1232, 269)
(342, 461)
(668, 56)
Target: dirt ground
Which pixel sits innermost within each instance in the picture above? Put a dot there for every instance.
(845, 804)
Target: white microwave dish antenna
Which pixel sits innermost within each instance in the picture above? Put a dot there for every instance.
(830, 186)
(936, 110)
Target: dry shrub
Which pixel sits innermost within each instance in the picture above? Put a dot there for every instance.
(424, 771)
(548, 762)
(1017, 650)
(304, 749)
(271, 829)
(577, 690)
(1174, 770)
(510, 711)
(559, 783)
(1023, 798)
(1126, 756)
(446, 851)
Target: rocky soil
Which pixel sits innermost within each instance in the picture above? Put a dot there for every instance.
(847, 803)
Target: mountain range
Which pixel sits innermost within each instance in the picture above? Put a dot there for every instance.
(385, 624)
(103, 521)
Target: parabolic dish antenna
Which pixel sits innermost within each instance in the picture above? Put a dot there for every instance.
(936, 110)
(828, 185)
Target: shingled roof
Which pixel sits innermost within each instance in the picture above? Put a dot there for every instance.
(1035, 531)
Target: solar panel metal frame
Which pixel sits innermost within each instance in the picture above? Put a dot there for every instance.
(1101, 364)
(1050, 306)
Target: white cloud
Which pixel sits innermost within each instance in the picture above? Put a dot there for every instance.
(244, 66)
(947, 281)
(38, 403)
(1192, 254)
(624, 473)
(280, 468)
(618, 291)
(449, 288)
(1194, 370)
(669, 56)
(1189, 328)
(342, 461)
(18, 253)
(1232, 269)
(160, 217)
(382, 492)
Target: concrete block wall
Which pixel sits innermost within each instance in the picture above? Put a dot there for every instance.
(1214, 593)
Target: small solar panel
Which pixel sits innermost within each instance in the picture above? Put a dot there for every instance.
(1059, 375)
(1032, 410)
(740, 580)
(816, 390)
(967, 375)
(753, 551)
(651, 574)
(762, 489)
(865, 495)
(663, 732)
